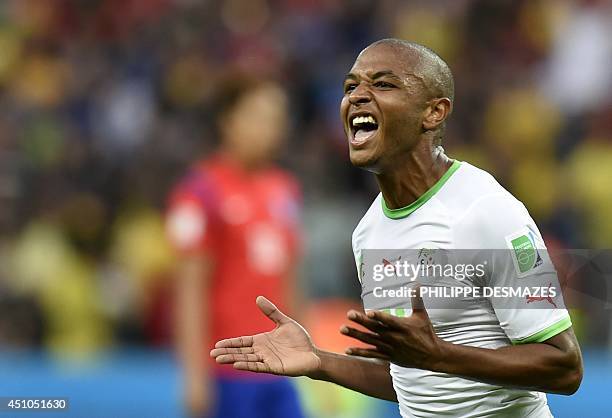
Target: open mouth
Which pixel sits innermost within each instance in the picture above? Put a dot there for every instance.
(363, 127)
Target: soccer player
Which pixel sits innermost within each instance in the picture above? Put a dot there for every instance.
(234, 222)
(482, 362)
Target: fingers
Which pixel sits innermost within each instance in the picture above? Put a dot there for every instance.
(235, 358)
(257, 366)
(386, 319)
(237, 342)
(243, 358)
(363, 320)
(233, 355)
(366, 352)
(271, 311)
(216, 352)
(416, 301)
(366, 337)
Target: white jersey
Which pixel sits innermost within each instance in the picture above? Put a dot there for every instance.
(466, 209)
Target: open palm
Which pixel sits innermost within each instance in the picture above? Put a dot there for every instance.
(286, 350)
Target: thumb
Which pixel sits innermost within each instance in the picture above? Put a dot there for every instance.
(271, 311)
(416, 301)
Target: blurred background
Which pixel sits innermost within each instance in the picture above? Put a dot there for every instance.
(104, 104)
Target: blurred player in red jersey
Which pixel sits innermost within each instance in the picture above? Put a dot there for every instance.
(234, 221)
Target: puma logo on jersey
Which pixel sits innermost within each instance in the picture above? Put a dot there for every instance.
(541, 298)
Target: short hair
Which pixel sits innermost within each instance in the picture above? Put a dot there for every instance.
(434, 71)
(431, 69)
(231, 88)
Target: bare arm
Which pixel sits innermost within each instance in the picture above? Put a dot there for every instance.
(288, 350)
(552, 366)
(368, 376)
(192, 330)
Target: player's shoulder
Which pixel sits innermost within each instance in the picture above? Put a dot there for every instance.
(467, 185)
(476, 188)
(198, 182)
(485, 210)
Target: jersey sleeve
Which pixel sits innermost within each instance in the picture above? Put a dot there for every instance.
(191, 223)
(519, 260)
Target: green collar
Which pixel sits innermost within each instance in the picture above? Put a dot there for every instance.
(407, 210)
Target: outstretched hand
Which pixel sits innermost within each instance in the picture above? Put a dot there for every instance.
(286, 350)
(408, 342)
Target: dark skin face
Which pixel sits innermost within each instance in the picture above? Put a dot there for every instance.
(393, 92)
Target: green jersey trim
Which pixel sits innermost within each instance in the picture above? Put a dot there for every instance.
(407, 210)
(549, 332)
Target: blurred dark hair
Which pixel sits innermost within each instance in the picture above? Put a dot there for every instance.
(231, 88)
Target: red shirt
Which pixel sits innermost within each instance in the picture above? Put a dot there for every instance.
(248, 223)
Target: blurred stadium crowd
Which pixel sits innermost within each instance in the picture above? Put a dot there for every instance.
(104, 103)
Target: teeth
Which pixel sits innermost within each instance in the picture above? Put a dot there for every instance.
(359, 120)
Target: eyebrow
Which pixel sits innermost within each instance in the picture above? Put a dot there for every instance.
(376, 75)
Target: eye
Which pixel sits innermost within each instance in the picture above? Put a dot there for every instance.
(349, 87)
(384, 85)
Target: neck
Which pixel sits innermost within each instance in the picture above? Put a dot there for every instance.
(240, 160)
(407, 180)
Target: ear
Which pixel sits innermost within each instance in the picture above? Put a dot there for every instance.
(437, 112)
